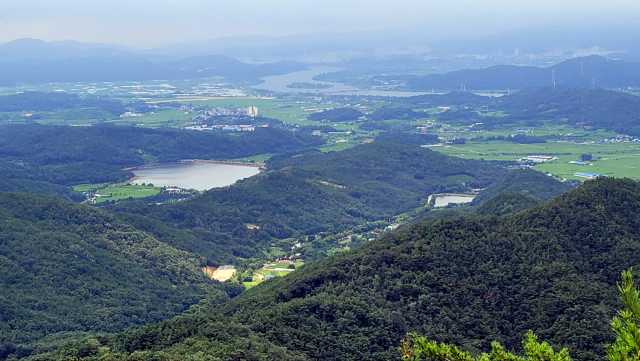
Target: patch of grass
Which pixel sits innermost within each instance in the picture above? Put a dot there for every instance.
(337, 147)
(89, 186)
(120, 192)
(613, 159)
(255, 159)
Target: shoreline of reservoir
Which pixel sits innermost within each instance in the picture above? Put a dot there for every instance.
(208, 161)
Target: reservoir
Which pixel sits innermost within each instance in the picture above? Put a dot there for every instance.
(193, 175)
(278, 83)
(443, 200)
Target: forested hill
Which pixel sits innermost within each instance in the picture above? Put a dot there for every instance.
(316, 193)
(578, 72)
(67, 269)
(527, 182)
(36, 187)
(121, 68)
(616, 111)
(72, 155)
(44, 102)
(466, 281)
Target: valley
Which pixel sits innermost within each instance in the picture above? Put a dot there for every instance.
(221, 216)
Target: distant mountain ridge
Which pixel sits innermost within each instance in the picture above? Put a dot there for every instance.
(578, 72)
(597, 108)
(21, 49)
(123, 67)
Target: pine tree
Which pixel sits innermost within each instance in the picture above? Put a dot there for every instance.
(414, 347)
(627, 345)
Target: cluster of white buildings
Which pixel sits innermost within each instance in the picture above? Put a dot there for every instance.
(222, 127)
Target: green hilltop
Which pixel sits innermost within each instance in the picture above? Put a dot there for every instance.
(527, 182)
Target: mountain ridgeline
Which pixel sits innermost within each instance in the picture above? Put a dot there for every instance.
(578, 72)
(596, 108)
(466, 281)
(100, 68)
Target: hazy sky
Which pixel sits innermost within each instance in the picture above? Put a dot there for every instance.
(157, 22)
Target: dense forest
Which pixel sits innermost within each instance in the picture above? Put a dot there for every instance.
(507, 202)
(73, 155)
(466, 281)
(311, 193)
(67, 269)
(395, 113)
(408, 138)
(118, 68)
(337, 115)
(453, 98)
(45, 102)
(516, 191)
(527, 182)
(597, 108)
(38, 187)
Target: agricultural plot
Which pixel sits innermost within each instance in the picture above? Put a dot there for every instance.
(119, 192)
(612, 159)
(89, 187)
(159, 119)
(276, 269)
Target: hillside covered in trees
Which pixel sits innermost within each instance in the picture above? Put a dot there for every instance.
(527, 182)
(44, 102)
(72, 155)
(121, 68)
(466, 281)
(337, 115)
(66, 269)
(313, 193)
(597, 108)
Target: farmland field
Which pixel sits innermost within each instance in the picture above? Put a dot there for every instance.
(613, 159)
(119, 192)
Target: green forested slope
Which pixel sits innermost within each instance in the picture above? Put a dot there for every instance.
(310, 193)
(466, 281)
(527, 182)
(68, 268)
(598, 108)
(72, 155)
(505, 203)
(29, 186)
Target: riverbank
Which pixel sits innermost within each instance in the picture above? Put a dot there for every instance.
(187, 161)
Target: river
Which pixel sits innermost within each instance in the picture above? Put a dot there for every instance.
(193, 175)
(278, 83)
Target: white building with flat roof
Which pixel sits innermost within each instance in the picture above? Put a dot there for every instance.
(252, 111)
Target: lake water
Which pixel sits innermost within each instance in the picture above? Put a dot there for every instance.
(278, 83)
(193, 175)
(444, 200)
